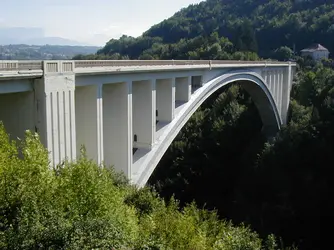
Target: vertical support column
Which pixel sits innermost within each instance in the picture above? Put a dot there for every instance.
(281, 91)
(265, 77)
(89, 121)
(183, 89)
(144, 113)
(270, 82)
(287, 82)
(173, 97)
(56, 110)
(165, 98)
(278, 87)
(273, 84)
(117, 113)
(99, 109)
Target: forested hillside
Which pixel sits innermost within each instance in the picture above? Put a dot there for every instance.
(220, 29)
(221, 160)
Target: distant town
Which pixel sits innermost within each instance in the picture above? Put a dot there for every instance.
(43, 52)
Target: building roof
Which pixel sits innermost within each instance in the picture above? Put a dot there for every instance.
(315, 47)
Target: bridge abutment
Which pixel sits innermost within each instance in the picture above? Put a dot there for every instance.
(55, 104)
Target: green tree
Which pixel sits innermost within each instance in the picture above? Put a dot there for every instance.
(245, 37)
(283, 53)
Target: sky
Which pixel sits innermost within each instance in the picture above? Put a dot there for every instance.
(89, 21)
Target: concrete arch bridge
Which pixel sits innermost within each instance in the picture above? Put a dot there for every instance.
(128, 112)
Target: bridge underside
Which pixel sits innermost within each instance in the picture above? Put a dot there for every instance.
(271, 123)
(145, 161)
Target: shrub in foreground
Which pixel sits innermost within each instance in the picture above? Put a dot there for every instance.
(80, 205)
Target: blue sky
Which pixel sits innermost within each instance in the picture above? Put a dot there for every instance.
(92, 21)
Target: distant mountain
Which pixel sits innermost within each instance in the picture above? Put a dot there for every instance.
(44, 52)
(32, 36)
(17, 35)
(53, 41)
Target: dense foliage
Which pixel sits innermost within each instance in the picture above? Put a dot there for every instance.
(222, 161)
(82, 206)
(231, 29)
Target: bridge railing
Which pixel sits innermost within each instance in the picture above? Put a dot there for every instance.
(70, 65)
(30, 65)
(8, 65)
(129, 63)
(20, 65)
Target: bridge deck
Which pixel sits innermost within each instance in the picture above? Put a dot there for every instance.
(35, 69)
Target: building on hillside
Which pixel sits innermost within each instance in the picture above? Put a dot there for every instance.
(316, 51)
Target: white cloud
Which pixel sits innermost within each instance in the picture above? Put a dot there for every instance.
(113, 27)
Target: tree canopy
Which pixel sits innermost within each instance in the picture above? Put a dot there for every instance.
(216, 29)
(80, 205)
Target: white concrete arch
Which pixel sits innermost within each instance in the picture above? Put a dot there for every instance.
(251, 81)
